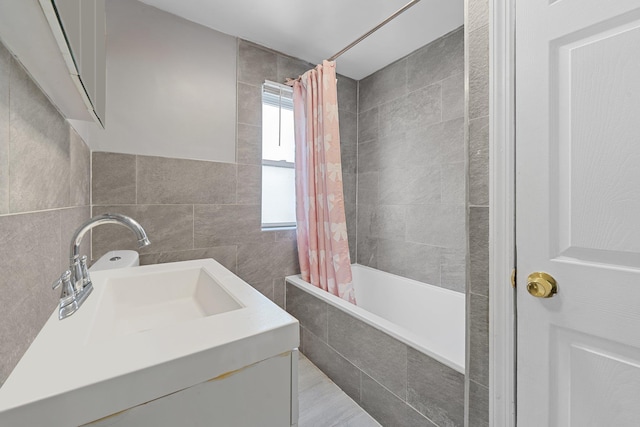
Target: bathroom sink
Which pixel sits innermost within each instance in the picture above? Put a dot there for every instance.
(144, 333)
(132, 304)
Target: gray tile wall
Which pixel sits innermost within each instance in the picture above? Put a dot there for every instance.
(44, 196)
(396, 384)
(198, 209)
(411, 166)
(477, 66)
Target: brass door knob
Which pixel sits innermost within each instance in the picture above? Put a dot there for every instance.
(541, 285)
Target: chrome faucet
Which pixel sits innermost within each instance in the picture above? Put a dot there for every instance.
(76, 282)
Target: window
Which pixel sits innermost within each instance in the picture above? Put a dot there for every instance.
(278, 157)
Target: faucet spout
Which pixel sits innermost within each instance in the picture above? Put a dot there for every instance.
(107, 218)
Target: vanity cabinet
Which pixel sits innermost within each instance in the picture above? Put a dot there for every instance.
(262, 394)
(80, 30)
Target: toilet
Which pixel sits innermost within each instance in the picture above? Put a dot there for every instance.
(116, 259)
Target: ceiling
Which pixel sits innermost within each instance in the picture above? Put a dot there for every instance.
(315, 30)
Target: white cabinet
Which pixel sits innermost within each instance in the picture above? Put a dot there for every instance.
(80, 30)
(263, 394)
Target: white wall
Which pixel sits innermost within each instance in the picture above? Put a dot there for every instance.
(171, 87)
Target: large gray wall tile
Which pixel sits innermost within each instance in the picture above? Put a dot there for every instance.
(225, 255)
(217, 225)
(435, 390)
(479, 339)
(383, 86)
(249, 104)
(478, 14)
(265, 287)
(368, 125)
(374, 352)
(249, 185)
(169, 228)
(249, 149)
(422, 263)
(39, 141)
(367, 250)
(340, 370)
(5, 72)
(451, 135)
(389, 222)
(452, 180)
(30, 261)
(349, 182)
(256, 64)
(436, 61)
(393, 151)
(310, 311)
(368, 189)
(269, 260)
(424, 147)
(419, 108)
(347, 94)
(348, 122)
(453, 269)
(479, 162)
(369, 157)
(279, 292)
(391, 256)
(80, 171)
(349, 157)
(410, 185)
(411, 260)
(113, 179)
(437, 225)
(366, 220)
(478, 405)
(453, 97)
(387, 409)
(479, 72)
(164, 180)
(479, 250)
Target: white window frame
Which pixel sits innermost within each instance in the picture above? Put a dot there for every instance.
(286, 101)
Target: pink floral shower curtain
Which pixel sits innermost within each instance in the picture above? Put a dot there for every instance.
(323, 247)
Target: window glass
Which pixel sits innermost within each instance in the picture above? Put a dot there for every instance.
(278, 157)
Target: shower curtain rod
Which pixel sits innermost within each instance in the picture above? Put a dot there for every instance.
(374, 29)
(289, 81)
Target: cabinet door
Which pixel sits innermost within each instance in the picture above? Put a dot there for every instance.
(69, 15)
(84, 28)
(101, 61)
(88, 48)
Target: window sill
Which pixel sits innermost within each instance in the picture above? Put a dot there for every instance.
(278, 228)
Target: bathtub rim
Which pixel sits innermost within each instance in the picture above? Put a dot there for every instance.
(376, 321)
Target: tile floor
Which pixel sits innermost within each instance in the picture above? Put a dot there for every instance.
(323, 404)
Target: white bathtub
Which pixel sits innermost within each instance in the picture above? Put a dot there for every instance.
(428, 318)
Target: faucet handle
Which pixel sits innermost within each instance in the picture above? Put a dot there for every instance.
(66, 276)
(86, 279)
(68, 294)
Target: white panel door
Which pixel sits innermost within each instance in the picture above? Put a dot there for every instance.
(578, 211)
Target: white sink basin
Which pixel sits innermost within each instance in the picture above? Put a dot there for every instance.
(157, 300)
(144, 333)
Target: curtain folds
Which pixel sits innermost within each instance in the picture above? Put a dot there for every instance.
(323, 248)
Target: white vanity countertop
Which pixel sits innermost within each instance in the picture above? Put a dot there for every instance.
(69, 378)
